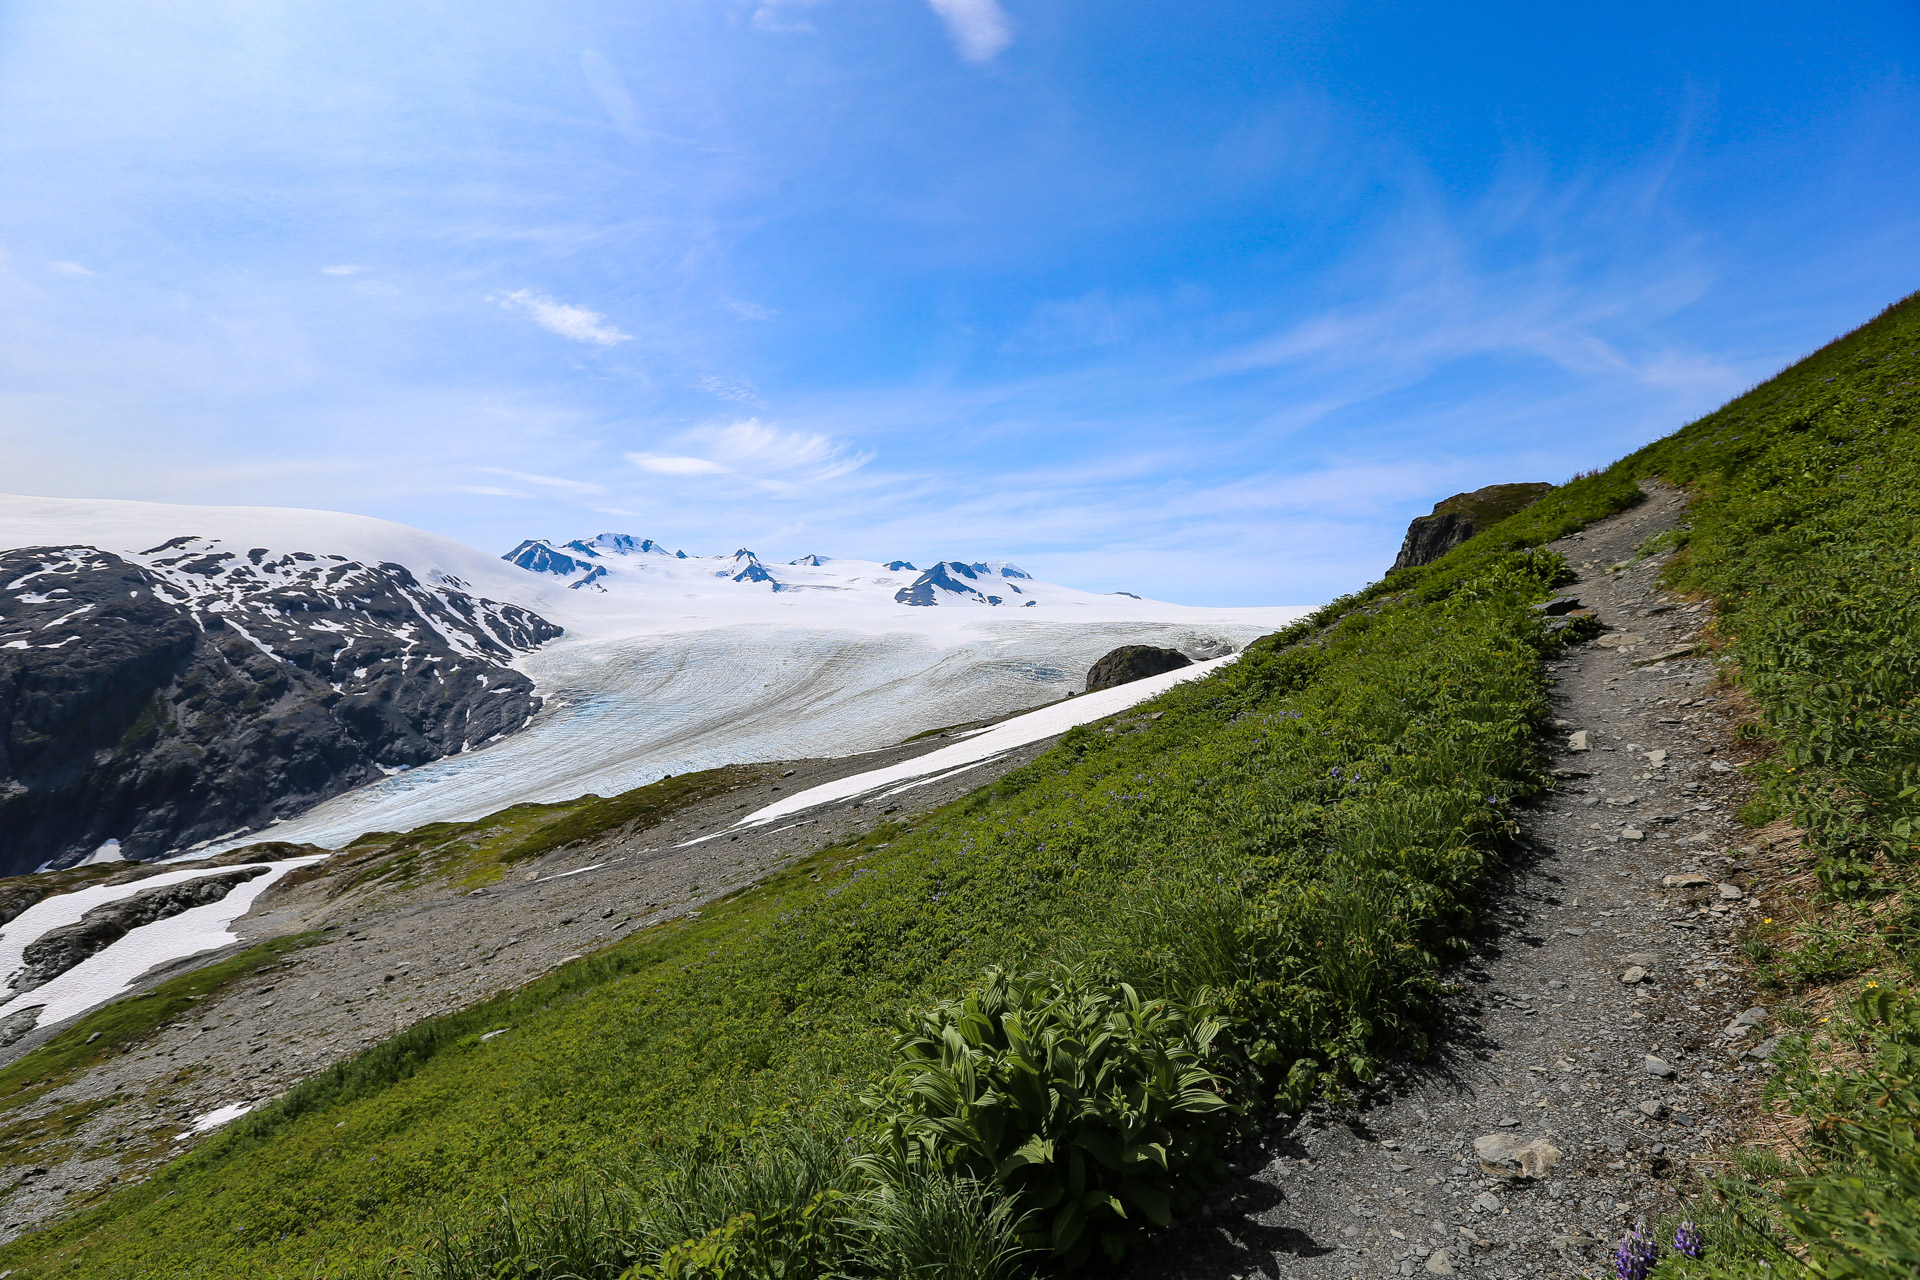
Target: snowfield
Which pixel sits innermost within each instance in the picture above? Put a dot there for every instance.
(116, 967)
(673, 662)
(982, 745)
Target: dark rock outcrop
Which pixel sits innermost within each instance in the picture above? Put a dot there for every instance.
(1460, 517)
(201, 691)
(955, 579)
(58, 950)
(1132, 662)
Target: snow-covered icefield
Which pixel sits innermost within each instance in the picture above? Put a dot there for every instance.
(674, 662)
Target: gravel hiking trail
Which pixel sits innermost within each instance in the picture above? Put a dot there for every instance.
(1602, 1040)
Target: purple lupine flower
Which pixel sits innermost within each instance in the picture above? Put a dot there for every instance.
(1634, 1257)
(1687, 1242)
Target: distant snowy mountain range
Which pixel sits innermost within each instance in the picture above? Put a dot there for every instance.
(613, 561)
(173, 674)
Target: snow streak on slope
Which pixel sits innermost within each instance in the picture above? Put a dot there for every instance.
(978, 748)
(117, 967)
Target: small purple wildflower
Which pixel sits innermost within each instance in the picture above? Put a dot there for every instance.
(1687, 1242)
(1634, 1257)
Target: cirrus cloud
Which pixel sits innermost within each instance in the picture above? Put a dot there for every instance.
(577, 324)
(980, 28)
(764, 455)
(671, 464)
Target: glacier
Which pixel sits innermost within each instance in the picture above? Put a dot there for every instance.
(670, 662)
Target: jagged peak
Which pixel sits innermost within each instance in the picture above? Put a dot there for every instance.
(537, 555)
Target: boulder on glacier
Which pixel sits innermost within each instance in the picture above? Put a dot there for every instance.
(1132, 662)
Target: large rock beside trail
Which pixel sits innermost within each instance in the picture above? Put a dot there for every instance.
(1458, 518)
(1505, 1155)
(1132, 662)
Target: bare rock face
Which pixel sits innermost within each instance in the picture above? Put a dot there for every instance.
(1132, 662)
(1460, 517)
(196, 689)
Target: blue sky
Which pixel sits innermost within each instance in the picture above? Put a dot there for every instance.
(1200, 301)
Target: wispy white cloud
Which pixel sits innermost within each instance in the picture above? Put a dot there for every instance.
(577, 324)
(777, 16)
(1427, 296)
(750, 310)
(611, 88)
(342, 270)
(670, 464)
(546, 482)
(729, 389)
(769, 453)
(68, 269)
(980, 29)
(766, 456)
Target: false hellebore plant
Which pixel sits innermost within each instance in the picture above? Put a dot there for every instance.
(1093, 1109)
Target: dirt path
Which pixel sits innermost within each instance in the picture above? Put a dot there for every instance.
(1630, 1083)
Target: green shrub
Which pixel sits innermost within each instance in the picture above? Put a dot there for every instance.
(1092, 1107)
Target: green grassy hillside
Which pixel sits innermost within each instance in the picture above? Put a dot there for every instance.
(1233, 897)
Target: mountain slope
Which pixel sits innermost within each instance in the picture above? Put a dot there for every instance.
(172, 674)
(177, 696)
(1295, 844)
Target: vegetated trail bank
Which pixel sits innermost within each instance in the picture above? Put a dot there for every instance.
(1545, 1042)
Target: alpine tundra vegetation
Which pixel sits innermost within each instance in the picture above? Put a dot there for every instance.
(1022, 1033)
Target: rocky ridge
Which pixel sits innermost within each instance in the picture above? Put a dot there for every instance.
(1454, 520)
(1132, 662)
(198, 689)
